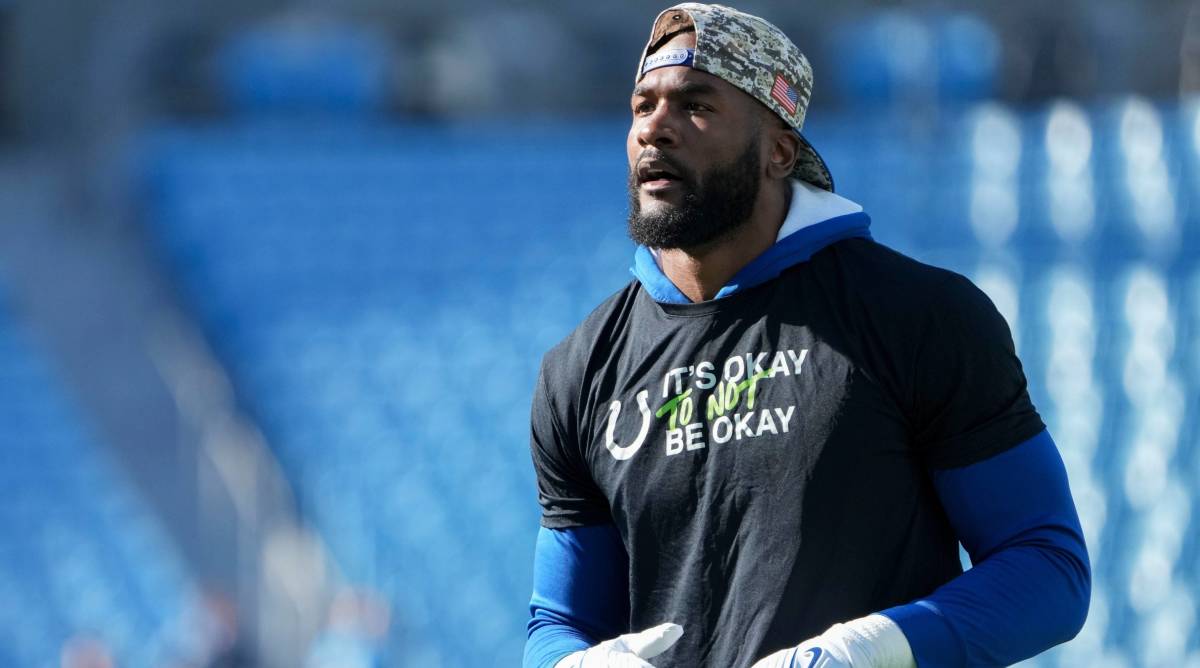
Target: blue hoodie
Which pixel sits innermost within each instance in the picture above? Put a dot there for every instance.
(815, 219)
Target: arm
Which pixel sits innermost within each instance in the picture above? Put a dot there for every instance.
(1031, 583)
(1003, 488)
(581, 570)
(1028, 590)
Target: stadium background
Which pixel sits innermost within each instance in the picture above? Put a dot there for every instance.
(275, 278)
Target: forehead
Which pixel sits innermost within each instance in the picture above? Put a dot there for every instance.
(679, 79)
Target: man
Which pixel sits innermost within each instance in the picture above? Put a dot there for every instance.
(765, 450)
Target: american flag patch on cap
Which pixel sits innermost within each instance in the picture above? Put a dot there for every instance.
(784, 94)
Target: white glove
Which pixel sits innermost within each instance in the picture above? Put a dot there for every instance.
(812, 653)
(627, 651)
(873, 641)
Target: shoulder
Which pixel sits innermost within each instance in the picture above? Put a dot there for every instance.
(880, 269)
(902, 314)
(898, 287)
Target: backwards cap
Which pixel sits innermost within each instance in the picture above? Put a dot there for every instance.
(749, 53)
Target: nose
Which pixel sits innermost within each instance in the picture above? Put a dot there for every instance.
(657, 128)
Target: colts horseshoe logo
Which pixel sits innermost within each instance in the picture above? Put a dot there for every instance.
(622, 453)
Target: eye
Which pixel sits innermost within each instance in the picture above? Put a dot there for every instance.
(643, 107)
(696, 106)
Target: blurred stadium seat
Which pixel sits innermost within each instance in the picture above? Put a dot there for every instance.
(305, 63)
(80, 555)
(383, 292)
(898, 57)
(383, 295)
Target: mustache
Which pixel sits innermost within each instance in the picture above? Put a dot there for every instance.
(652, 153)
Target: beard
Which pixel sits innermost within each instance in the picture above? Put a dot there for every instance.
(713, 206)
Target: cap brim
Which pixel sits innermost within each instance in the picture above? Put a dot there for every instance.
(811, 168)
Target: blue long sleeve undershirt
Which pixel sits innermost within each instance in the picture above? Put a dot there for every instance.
(1031, 582)
(580, 592)
(1028, 590)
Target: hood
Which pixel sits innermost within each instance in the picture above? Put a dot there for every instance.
(816, 218)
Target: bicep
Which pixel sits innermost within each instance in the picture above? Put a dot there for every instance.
(969, 395)
(1019, 495)
(567, 494)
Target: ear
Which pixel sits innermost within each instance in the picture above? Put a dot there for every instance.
(785, 150)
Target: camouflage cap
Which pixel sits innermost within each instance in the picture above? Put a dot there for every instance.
(751, 54)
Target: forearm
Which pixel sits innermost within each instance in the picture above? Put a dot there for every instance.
(580, 592)
(1012, 606)
(1030, 586)
(1028, 591)
(552, 637)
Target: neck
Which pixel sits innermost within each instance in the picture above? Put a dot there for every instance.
(700, 272)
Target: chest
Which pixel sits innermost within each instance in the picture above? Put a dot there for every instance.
(734, 415)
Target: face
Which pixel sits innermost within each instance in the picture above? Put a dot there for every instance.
(695, 156)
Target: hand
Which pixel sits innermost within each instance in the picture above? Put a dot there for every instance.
(813, 653)
(627, 651)
(874, 641)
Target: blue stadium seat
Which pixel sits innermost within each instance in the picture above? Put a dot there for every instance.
(78, 552)
(305, 62)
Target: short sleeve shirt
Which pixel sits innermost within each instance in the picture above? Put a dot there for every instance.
(765, 457)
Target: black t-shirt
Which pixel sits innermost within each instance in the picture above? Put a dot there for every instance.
(765, 456)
